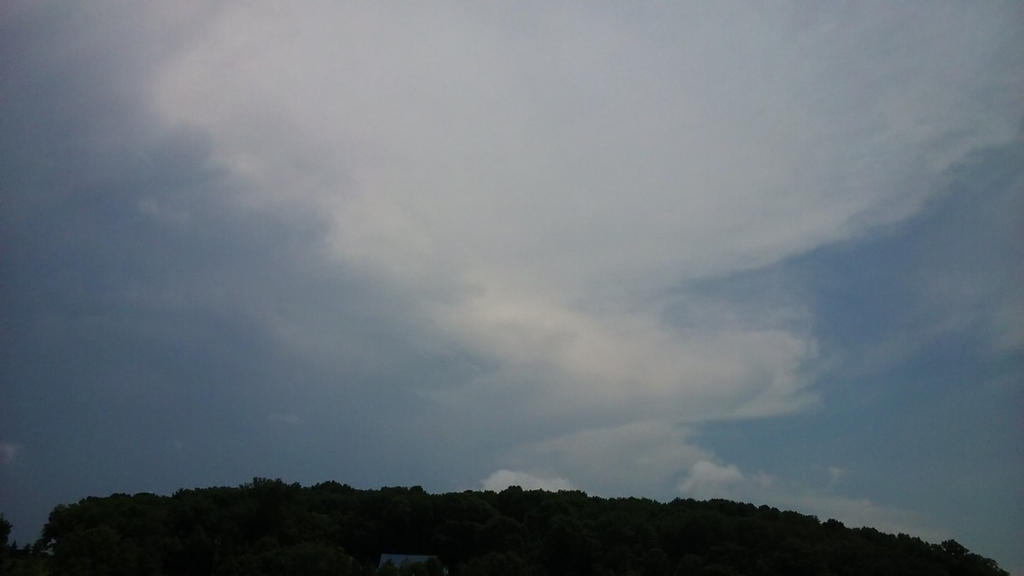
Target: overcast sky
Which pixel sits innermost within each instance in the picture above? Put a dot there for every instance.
(634, 248)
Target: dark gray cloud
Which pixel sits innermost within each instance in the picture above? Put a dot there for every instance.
(152, 326)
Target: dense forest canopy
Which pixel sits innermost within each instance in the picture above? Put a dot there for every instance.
(272, 527)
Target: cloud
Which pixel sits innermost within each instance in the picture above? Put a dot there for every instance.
(707, 479)
(501, 479)
(526, 222)
(534, 182)
(952, 274)
(973, 285)
(643, 458)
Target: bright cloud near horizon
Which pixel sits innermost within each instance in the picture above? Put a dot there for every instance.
(656, 249)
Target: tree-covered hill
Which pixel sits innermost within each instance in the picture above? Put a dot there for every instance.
(270, 527)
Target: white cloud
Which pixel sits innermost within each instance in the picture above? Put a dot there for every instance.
(643, 458)
(595, 359)
(535, 177)
(501, 479)
(707, 479)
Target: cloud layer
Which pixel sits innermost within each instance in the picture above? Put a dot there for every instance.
(534, 180)
(555, 246)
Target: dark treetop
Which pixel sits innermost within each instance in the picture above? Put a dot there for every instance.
(270, 527)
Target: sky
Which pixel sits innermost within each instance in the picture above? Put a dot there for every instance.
(659, 249)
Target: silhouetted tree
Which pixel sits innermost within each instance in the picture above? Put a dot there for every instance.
(270, 527)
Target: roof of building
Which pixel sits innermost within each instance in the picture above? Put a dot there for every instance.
(400, 559)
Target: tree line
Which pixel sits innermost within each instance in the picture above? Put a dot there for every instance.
(271, 527)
